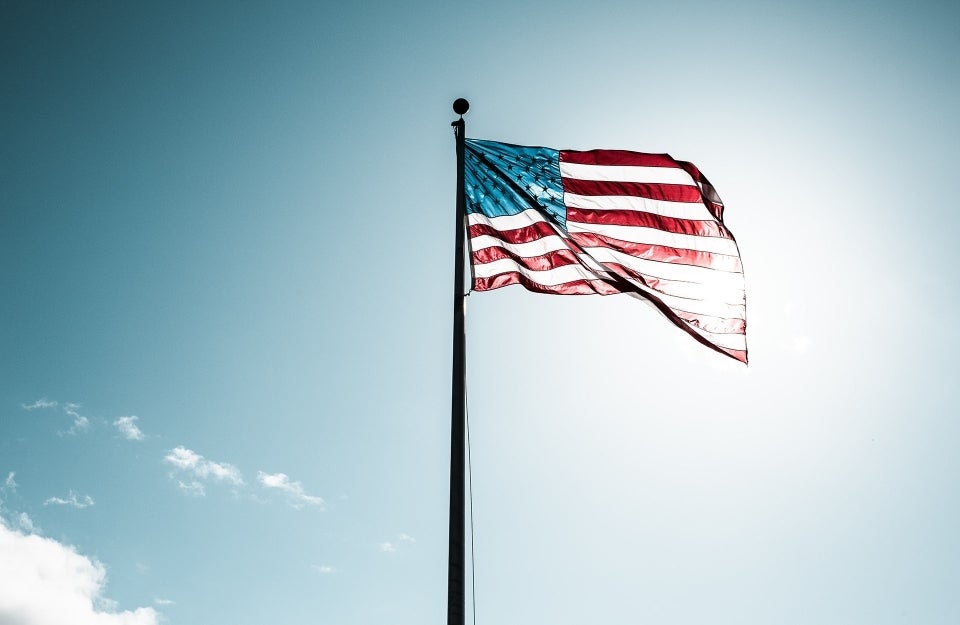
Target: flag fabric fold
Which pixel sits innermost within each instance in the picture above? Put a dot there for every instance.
(605, 222)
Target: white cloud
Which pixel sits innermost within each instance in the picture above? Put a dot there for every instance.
(294, 492)
(159, 601)
(80, 422)
(192, 487)
(393, 547)
(45, 582)
(26, 523)
(82, 502)
(128, 427)
(323, 569)
(40, 403)
(10, 484)
(200, 469)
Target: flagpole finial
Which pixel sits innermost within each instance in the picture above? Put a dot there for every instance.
(460, 106)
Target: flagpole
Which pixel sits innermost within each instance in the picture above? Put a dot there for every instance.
(456, 601)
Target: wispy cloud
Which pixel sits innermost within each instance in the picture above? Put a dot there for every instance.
(71, 409)
(128, 427)
(393, 547)
(323, 569)
(72, 500)
(293, 491)
(192, 487)
(26, 523)
(80, 422)
(40, 403)
(10, 484)
(45, 581)
(159, 601)
(200, 470)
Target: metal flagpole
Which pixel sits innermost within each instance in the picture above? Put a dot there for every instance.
(456, 601)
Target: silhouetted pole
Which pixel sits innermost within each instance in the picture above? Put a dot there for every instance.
(456, 602)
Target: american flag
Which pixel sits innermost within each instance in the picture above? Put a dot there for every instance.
(603, 222)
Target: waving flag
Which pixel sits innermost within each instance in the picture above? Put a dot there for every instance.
(606, 222)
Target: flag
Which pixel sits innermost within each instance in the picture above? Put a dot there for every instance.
(604, 222)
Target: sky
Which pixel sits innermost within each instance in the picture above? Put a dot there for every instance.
(226, 238)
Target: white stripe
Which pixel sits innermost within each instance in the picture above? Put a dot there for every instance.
(668, 271)
(550, 277)
(572, 273)
(690, 281)
(652, 236)
(508, 222)
(680, 210)
(592, 264)
(537, 247)
(710, 325)
(730, 341)
(626, 173)
(700, 292)
(696, 307)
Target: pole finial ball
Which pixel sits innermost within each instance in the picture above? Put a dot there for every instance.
(460, 106)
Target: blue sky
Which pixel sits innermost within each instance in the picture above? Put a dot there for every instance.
(225, 257)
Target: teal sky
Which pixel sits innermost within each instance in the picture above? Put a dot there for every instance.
(226, 233)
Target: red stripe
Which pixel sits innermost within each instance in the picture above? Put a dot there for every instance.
(691, 169)
(737, 354)
(617, 157)
(715, 209)
(551, 260)
(525, 234)
(711, 199)
(665, 192)
(700, 228)
(577, 287)
(660, 253)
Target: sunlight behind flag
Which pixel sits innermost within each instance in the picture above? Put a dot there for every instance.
(607, 222)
